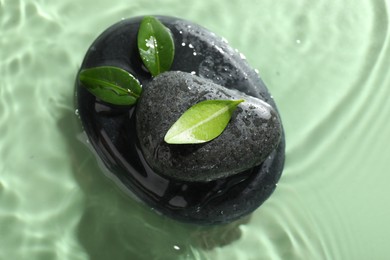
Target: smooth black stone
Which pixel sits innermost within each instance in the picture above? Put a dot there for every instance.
(111, 129)
(252, 134)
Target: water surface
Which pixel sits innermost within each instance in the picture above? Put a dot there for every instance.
(326, 64)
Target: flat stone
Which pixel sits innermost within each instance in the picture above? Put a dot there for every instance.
(112, 133)
(251, 135)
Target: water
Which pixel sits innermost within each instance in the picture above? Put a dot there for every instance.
(326, 64)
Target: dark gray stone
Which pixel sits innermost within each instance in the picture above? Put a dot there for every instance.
(252, 134)
(112, 133)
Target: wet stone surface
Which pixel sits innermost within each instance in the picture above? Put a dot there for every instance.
(252, 134)
(111, 130)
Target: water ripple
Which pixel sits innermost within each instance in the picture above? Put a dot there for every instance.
(346, 110)
(326, 63)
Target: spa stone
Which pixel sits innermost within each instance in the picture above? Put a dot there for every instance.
(112, 134)
(252, 134)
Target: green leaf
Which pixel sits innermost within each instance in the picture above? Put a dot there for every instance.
(155, 45)
(111, 84)
(202, 122)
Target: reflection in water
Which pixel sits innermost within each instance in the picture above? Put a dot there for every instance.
(112, 222)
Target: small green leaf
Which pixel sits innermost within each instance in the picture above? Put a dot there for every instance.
(202, 122)
(155, 45)
(111, 84)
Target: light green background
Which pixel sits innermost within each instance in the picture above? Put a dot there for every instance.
(326, 63)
